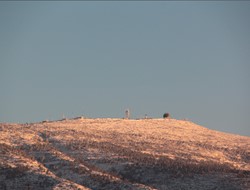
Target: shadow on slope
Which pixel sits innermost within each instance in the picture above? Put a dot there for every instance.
(156, 171)
(21, 178)
(67, 167)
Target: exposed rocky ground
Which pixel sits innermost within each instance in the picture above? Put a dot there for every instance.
(121, 154)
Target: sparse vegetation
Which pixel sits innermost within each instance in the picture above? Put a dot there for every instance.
(122, 154)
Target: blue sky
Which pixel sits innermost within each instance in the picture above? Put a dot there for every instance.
(97, 59)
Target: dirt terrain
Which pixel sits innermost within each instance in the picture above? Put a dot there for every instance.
(117, 154)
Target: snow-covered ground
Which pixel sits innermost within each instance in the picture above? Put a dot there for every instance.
(121, 154)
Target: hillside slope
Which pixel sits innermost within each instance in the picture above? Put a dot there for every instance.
(121, 154)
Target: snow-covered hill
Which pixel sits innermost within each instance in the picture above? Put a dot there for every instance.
(121, 154)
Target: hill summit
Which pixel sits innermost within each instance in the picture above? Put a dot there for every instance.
(110, 153)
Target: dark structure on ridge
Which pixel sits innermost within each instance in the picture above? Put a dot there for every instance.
(166, 115)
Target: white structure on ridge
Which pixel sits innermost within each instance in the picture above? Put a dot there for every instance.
(127, 114)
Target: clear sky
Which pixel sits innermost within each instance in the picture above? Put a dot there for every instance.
(191, 59)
